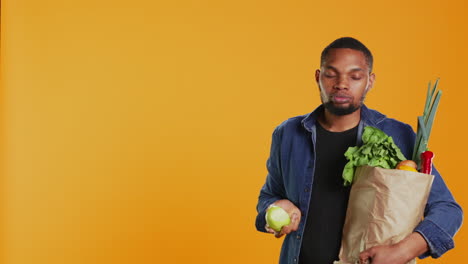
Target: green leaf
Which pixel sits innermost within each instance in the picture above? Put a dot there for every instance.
(350, 152)
(367, 134)
(348, 173)
(366, 149)
(364, 160)
(432, 113)
(426, 121)
(376, 162)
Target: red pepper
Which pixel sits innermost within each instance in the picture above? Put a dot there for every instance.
(426, 162)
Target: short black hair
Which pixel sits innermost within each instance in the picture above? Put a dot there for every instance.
(348, 43)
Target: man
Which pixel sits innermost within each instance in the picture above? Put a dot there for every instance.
(306, 163)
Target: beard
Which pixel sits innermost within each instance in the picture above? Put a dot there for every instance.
(341, 111)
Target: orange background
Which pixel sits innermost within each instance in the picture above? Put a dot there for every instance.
(138, 131)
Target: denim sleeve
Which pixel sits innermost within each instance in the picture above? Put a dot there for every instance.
(442, 219)
(273, 189)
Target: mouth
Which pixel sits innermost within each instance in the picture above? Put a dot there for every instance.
(340, 99)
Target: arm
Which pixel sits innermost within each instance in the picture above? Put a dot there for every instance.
(273, 189)
(442, 215)
(399, 253)
(442, 219)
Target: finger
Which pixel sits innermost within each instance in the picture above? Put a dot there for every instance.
(297, 212)
(364, 256)
(286, 230)
(293, 225)
(269, 230)
(278, 234)
(295, 222)
(364, 261)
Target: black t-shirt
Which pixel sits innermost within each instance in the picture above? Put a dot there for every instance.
(329, 198)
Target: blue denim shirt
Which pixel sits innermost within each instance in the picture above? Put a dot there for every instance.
(291, 174)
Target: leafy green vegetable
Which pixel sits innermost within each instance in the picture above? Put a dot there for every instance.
(425, 122)
(378, 150)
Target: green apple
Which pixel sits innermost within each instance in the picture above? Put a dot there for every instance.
(277, 217)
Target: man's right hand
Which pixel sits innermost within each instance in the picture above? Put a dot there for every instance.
(294, 214)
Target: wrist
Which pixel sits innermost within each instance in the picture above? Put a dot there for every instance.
(405, 251)
(412, 246)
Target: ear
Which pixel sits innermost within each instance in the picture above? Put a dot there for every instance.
(371, 81)
(317, 75)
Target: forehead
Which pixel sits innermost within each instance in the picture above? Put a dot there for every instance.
(344, 58)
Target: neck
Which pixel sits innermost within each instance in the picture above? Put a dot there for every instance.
(336, 123)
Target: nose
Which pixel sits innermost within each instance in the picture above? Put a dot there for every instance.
(341, 83)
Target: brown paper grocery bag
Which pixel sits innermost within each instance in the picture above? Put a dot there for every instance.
(384, 207)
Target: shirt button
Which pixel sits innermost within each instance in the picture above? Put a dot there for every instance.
(298, 237)
(306, 189)
(295, 259)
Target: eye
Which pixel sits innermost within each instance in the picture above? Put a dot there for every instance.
(357, 78)
(328, 75)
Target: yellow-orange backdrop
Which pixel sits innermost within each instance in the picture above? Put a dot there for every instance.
(137, 131)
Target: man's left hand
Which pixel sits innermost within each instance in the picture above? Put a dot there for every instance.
(383, 255)
(399, 253)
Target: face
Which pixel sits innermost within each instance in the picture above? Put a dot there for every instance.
(344, 81)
